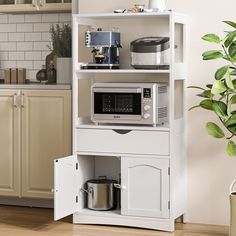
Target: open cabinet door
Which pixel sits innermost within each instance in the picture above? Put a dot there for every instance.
(65, 186)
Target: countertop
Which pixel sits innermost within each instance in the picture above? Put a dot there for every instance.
(36, 86)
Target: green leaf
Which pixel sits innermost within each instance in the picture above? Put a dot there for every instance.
(207, 104)
(230, 38)
(231, 23)
(221, 72)
(214, 130)
(228, 80)
(209, 86)
(218, 87)
(233, 99)
(191, 108)
(232, 129)
(220, 108)
(232, 50)
(205, 94)
(213, 38)
(195, 87)
(211, 55)
(231, 121)
(231, 148)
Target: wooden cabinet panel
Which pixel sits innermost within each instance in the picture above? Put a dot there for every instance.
(145, 187)
(9, 144)
(46, 135)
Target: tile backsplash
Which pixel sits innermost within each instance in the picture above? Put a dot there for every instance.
(24, 40)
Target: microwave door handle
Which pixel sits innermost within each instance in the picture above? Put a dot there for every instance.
(117, 90)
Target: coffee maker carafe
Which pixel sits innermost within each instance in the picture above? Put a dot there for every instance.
(105, 50)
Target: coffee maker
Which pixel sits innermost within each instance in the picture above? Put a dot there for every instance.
(105, 50)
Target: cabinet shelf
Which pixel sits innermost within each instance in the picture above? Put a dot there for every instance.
(123, 127)
(123, 71)
(125, 16)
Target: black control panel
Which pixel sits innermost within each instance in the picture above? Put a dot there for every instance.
(147, 93)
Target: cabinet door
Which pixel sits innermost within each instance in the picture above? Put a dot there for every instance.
(145, 187)
(56, 5)
(9, 144)
(65, 186)
(46, 135)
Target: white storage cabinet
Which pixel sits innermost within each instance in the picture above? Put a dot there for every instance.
(149, 161)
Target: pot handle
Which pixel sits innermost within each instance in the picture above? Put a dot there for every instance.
(231, 188)
(88, 191)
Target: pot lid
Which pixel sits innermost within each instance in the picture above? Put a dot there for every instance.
(150, 44)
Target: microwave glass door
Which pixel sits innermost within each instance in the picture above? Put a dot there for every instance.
(117, 103)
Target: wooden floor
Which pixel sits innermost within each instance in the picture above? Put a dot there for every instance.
(24, 221)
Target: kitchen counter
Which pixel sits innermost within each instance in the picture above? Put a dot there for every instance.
(36, 86)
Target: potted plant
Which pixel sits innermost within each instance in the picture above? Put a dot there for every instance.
(62, 47)
(220, 98)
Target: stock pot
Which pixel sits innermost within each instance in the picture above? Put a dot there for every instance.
(101, 194)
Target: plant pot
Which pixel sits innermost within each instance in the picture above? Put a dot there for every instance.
(64, 70)
(232, 230)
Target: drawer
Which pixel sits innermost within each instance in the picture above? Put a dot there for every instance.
(122, 141)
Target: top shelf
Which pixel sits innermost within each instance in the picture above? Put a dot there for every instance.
(101, 16)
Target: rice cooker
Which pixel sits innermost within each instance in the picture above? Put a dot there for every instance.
(150, 53)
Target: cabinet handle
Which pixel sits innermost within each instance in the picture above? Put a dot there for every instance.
(122, 131)
(22, 100)
(119, 186)
(14, 100)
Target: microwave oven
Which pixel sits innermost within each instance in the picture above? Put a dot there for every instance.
(129, 103)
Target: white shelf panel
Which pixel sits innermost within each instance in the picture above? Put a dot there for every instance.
(123, 71)
(164, 127)
(122, 15)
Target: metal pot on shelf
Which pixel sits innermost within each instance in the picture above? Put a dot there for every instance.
(102, 194)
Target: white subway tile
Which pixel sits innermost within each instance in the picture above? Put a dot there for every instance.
(16, 18)
(38, 64)
(50, 18)
(65, 17)
(24, 27)
(8, 64)
(42, 27)
(41, 46)
(3, 37)
(16, 37)
(4, 56)
(7, 27)
(46, 37)
(3, 18)
(25, 64)
(31, 75)
(34, 56)
(33, 37)
(32, 18)
(44, 54)
(24, 46)
(17, 56)
(6, 46)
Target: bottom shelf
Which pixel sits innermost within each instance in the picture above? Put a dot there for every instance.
(86, 216)
(111, 213)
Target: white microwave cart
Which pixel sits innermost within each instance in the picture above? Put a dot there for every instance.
(149, 161)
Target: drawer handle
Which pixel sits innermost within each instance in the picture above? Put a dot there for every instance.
(122, 131)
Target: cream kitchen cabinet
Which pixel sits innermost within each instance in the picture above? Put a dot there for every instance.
(35, 129)
(31, 6)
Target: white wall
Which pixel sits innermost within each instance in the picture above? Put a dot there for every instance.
(24, 40)
(210, 170)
